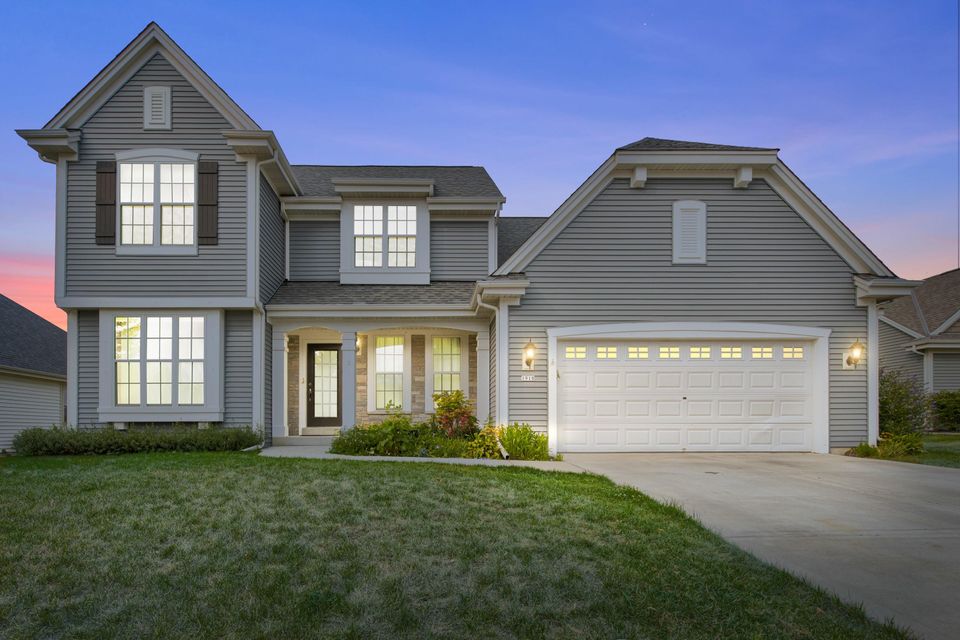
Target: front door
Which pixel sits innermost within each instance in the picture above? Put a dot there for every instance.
(323, 385)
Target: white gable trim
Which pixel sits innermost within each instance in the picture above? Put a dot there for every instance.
(780, 178)
(947, 323)
(899, 327)
(151, 41)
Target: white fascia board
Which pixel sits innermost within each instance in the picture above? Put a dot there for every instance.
(799, 196)
(30, 373)
(732, 159)
(367, 311)
(947, 323)
(483, 205)
(380, 186)
(882, 289)
(263, 146)
(309, 207)
(52, 144)
(899, 327)
(155, 302)
(150, 41)
(936, 345)
(540, 238)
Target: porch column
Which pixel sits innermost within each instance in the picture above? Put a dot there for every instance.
(483, 375)
(279, 384)
(348, 352)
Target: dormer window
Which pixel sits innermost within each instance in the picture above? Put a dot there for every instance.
(400, 233)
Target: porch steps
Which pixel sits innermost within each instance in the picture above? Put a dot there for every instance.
(303, 441)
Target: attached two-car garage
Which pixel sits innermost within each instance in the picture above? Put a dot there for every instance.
(658, 388)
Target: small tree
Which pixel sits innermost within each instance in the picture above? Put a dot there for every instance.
(454, 415)
(904, 407)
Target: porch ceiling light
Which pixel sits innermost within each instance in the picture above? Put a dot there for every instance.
(855, 353)
(529, 354)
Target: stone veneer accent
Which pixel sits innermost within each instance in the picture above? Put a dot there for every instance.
(293, 385)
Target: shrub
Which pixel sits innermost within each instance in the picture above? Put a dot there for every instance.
(946, 410)
(900, 445)
(903, 405)
(863, 450)
(395, 436)
(53, 442)
(444, 447)
(484, 444)
(523, 443)
(454, 415)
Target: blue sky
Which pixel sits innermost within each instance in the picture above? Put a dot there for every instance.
(861, 98)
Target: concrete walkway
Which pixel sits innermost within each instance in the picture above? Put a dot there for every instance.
(322, 453)
(885, 534)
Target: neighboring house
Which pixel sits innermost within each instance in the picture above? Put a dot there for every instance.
(920, 333)
(33, 371)
(686, 296)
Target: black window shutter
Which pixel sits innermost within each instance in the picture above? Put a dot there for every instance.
(208, 190)
(106, 228)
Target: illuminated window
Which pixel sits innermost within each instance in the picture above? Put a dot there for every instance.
(761, 353)
(159, 360)
(731, 353)
(388, 363)
(669, 353)
(402, 236)
(793, 353)
(638, 353)
(140, 200)
(397, 238)
(699, 353)
(127, 355)
(190, 365)
(367, 236)
(176, 203)
(606, 353)
(446, 364)
(575, 353)
(136, 203)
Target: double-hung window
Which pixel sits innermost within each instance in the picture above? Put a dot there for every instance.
(388, 372)
(157, 202)
(161, 366)
(397, 238)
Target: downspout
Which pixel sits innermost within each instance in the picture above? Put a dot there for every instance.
(496, 311)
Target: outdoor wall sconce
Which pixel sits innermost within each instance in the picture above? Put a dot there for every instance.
(529, 353)
(854, 355)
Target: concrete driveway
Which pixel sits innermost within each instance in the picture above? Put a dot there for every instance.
(885, 534)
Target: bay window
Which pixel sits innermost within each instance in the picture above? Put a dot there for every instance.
(160, 366)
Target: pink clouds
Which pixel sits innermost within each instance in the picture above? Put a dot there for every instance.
(27, 279)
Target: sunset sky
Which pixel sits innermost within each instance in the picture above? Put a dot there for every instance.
(861, 98)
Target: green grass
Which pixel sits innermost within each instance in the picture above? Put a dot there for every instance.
(235, 545)
(941, 451)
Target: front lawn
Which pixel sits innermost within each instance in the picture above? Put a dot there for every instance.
(235, 545)
(942, 450)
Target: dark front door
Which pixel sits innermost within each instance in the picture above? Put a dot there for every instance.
(323, 385)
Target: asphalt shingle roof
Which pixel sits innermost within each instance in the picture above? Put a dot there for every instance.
(513, 231)
(936, 299)
(469, 182)
(662, 144)
(29, 342)
(334, 293)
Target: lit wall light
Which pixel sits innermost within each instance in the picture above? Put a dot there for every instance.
(855, 354)
(529, 356)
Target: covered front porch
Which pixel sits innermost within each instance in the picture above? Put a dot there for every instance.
(327, 374)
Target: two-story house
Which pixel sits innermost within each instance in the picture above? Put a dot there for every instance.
(686, 296)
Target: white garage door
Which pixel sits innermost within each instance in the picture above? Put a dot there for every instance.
(684, 396)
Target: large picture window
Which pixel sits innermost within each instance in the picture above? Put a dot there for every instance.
(146, 361)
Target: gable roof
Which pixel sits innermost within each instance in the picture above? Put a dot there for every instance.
(763, 163)
(662, 144)
(932, 308)
(30, 343)
(448, 181)
(146, 45)
(512, 232)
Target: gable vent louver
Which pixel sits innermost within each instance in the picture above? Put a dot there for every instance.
(156, 108)
(689, 232)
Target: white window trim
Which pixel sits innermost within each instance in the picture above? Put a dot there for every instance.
(157, 156)
(464, 365)
(163, 90)
(212, 408)
(384, 274)
(701, 209)
(370, 346)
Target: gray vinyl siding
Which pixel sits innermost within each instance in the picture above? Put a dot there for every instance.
(88, 367)
(493, 367)
(238, 368)
(946, 371)
(459, 250)
(273, 253)
(315, 250)
(96, 270)
(27, 402)
(894, 354)
(267, 386)
(613, 263)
